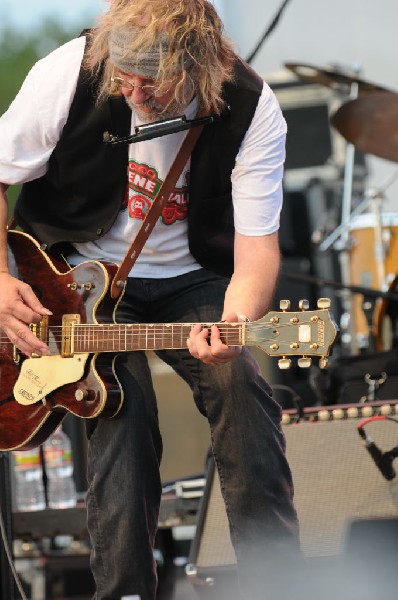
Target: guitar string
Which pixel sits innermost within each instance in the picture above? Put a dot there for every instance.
(230, 326)
(147, 330)
(223, 328)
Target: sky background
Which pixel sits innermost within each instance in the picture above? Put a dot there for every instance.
(26, 14)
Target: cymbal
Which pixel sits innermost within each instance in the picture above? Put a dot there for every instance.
(333, 78)
(370, 123)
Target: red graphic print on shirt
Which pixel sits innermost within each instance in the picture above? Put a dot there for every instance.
(138, 206)
(143, 185)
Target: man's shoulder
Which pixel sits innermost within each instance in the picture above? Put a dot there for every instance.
(246, 76)
(69, 53)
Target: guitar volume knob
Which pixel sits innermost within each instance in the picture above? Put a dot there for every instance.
(81, 394)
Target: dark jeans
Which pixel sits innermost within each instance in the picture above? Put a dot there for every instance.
(247, 442)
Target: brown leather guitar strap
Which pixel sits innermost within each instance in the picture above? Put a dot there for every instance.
(154, 211)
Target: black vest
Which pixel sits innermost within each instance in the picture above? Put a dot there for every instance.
(79, 197)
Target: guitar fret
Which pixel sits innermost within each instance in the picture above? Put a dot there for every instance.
(118, 345)
(107, 337)
(116, 338)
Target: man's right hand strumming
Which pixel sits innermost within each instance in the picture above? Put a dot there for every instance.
(19, 307)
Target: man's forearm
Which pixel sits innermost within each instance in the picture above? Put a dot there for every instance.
(257, 262)
(250, 296)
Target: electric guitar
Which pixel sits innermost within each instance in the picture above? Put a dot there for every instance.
(79, 375)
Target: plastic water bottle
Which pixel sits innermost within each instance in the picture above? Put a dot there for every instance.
(29, 487)
(61, 489)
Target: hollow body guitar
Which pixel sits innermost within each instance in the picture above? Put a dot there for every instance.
(79, 375)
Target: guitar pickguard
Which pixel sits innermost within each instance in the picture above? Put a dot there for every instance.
(41, 376)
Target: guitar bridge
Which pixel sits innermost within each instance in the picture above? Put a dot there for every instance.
(16, 355)
(67, 345)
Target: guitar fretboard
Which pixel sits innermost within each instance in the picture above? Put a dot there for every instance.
(138, 336)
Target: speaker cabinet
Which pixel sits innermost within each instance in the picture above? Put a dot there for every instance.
(340, 494)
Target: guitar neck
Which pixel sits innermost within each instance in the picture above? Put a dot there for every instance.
(141, 336)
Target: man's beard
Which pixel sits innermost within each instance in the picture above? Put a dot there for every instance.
(158, 112)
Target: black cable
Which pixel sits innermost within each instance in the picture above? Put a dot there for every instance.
(297, 401)
(268, 31)
(5, 526)
(8, 553)
(383, 460)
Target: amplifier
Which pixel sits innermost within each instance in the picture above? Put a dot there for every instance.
(340, 494)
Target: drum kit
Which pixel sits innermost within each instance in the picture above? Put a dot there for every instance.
(367, 237)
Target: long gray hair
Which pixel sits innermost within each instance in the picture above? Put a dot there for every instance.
(194, 29)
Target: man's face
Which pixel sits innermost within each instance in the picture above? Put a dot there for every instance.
(142, 97)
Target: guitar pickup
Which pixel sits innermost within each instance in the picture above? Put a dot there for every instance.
(40, 330)
(67, 341)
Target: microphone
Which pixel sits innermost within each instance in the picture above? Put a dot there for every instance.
(383, 461)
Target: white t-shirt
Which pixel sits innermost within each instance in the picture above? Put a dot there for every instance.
(31, 128)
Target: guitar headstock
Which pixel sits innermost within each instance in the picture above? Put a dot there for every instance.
(304, 333)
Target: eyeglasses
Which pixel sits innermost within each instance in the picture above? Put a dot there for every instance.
(123, 83)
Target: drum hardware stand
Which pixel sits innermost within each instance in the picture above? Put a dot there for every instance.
(344, 243)
(376, 194)
(344, 257)
(353, 289)
(340, 240)
(336, 79)
(368, 307)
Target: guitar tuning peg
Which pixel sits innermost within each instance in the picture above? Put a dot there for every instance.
(305, 362)
(304, 305)
(284, 363)
(323, 362)
(284, 304)
(323, 303)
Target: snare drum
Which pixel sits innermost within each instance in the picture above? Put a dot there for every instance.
(365, 261)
